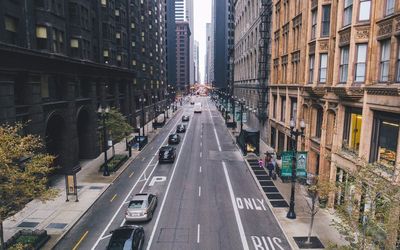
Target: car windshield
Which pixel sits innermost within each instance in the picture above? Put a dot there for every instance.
(121, 240)
(136, 204)
(172, 136)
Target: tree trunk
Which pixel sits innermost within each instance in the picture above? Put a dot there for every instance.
(313, 200)
(1, 236)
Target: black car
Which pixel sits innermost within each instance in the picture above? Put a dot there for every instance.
(167, 154)
(174, 139)
(127, 237)
(185, 118)
(181, 128)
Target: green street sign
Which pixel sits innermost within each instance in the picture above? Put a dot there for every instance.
(301, 164)
(286, 168)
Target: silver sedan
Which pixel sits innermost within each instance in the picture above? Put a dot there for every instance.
(141, 208)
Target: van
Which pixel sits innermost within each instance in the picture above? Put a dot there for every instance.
(197, 107)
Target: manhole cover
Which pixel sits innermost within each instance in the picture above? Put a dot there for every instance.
(95, 187)
(57, 225)
(28, 224)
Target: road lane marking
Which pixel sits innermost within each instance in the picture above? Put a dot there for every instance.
(198, 233)
(80, 240)
(115, 195)
(199, 191)
(107, 236)
(215, 131)
(144, 185)
(130, 192)
(201, 154)
(201, 144)
(131, 174)
(200, 169)
(166, 192)
(235, 209)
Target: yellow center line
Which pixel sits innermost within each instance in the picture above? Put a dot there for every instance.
(115, 195)
(80, 241)
(131, 175)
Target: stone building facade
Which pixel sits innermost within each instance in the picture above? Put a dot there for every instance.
(335, 64)
(63, 59)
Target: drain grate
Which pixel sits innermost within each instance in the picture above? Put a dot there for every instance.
(282, 203)
(276, 196)
(29, 224)
(95, 187)
(267, 184)
(263, 177)
(270, 190)
(57, 225)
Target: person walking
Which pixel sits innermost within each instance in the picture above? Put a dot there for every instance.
(270, 166)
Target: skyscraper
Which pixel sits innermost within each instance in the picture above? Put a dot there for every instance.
(171, 42)
(182, 56)
(196, 58)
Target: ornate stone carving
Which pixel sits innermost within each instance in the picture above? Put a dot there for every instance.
(385, 28)
(397, 26)
(323, 45)
(344, 37)
(391, 90)
(362, 33)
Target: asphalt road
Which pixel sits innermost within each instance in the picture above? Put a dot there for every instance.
(207, 199)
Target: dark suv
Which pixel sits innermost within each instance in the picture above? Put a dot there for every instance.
(167, 154)
(174, 139)
(181, 128)
(127, 237)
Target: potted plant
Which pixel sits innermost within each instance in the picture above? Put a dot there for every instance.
(324, 187)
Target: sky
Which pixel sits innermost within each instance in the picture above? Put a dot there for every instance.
(202, 15)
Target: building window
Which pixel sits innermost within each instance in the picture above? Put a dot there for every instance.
(344, 64)
(103, 3)
(274, 107)
(283, 111)
(311, 69)
(293, 108)
(326, 20)
(323, 65)
(398, 64)
(348, 12)
(365, 10)
(318, 122)
(385, 136)
(273, 137)
(352, 129)
(389, 7)
(11, 24)
(361, 62)
(385, 61)
(41, 37)
(313, 23)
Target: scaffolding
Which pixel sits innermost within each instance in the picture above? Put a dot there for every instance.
(264, 59)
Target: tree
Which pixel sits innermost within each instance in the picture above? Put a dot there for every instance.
(369, 217)
(24, 170)
(117, 125)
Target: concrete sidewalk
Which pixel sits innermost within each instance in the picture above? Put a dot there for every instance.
(299, 227)
(57, 216)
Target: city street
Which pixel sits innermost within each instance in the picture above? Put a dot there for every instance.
(207, 199)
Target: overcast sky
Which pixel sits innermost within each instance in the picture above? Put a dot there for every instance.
(202, 15)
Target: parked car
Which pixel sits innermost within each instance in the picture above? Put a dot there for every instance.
(174, 139)
(127, 237)
(185, 118)
(167, 154)
(181, 128)
(141, 208)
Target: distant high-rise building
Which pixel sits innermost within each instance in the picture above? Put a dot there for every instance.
(182, 56)
(208, 77)
(196, 62)
(171, 42)
(222, 22)
(180, 11)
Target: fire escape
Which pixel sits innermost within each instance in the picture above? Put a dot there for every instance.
(264, 58)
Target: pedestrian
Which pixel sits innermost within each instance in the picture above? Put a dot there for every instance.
(270, 165)
(261, 163)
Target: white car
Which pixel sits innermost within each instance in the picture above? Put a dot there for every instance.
(197, 108)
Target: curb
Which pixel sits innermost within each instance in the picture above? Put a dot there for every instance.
(289, 239)
(123, 167)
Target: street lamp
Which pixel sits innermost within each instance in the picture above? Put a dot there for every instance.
(154, 98)
(142, 100)
(103, 113)
(294, 134)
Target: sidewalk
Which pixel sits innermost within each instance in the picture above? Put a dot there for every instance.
(58, 216)
(299, 227)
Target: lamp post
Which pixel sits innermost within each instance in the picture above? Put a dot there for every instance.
(241, 102)
(142, 100)
(103, 113)
(154, 98)
(294, 134)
